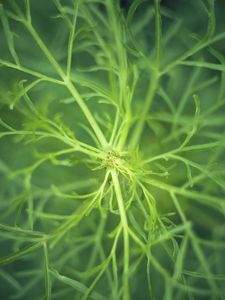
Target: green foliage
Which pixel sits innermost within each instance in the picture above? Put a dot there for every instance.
(112, 152)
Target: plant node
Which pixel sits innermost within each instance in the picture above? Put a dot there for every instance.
(115, 160)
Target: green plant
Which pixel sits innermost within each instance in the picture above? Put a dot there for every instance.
(112, 150)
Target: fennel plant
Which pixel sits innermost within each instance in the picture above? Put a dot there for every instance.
(112, 168)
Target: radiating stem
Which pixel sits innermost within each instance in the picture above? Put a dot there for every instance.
(140, 124)
(126, 243)
(69, 85)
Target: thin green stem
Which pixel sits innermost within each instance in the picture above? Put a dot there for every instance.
(115, 127)
(195, 49)
(45, 50)
(30, 72)
(47, 273)
(146, 106)
(158, 32)
(71, 42)
(123, 217)
(69, 85)
(87, 113)
(195, 244)
(124, 132)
